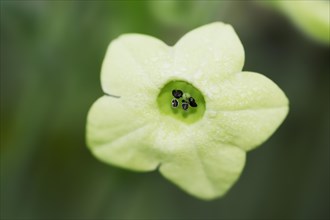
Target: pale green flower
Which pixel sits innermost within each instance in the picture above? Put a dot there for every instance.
(202, 149)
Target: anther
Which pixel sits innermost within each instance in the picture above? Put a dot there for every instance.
(192, 102)
(175, 103)
(184, 105)
(177, 93)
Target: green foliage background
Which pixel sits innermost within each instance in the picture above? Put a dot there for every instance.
(51, 54)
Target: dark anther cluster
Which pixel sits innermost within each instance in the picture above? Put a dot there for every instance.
(177, 94)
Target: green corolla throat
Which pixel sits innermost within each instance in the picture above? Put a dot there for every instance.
(190, 105)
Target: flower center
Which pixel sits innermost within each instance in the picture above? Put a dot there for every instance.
(181, 100)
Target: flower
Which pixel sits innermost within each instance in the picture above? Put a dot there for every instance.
(312, 17)
(201, 149)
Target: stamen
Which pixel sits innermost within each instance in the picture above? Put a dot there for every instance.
(192, 102)
(177, 93)
(175, 103)
(179, 100)
(185, 105)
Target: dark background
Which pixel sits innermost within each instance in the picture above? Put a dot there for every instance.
(51, 54)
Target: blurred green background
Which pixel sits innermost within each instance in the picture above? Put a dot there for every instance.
(51, 54)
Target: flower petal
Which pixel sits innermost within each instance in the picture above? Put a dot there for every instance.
(117, 134)
(247, 109)
(135, 61)
(195, 161)
(209, 54)
(205, 171)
